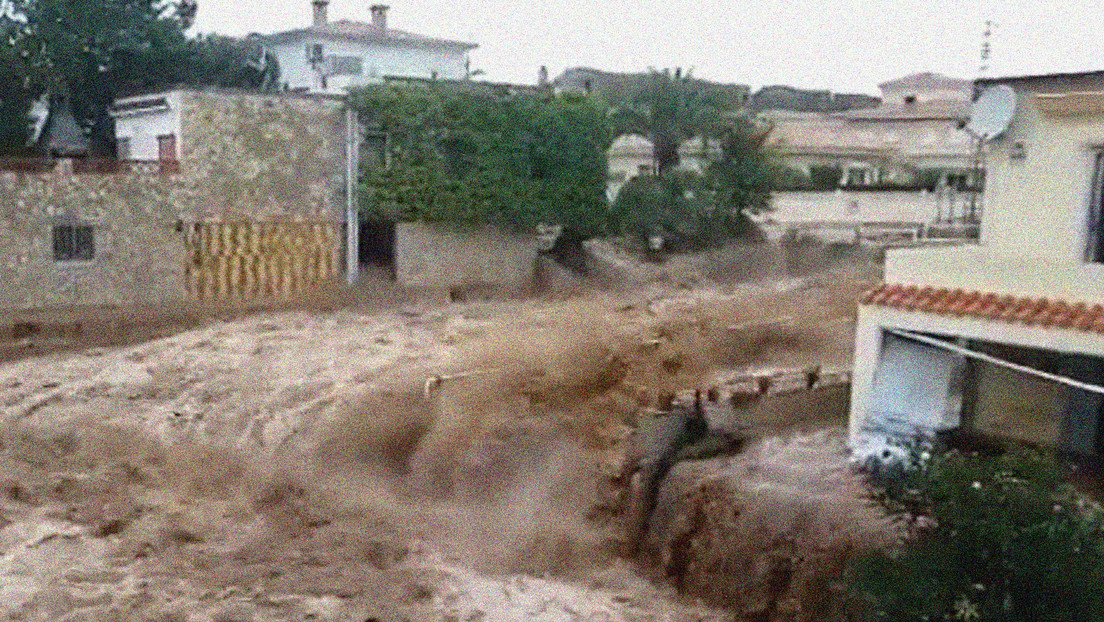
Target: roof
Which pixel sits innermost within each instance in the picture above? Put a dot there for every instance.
(927, 80)
(1098, 73)
(824, 136)
(930, 110)
(1026, 310)
(365, 33)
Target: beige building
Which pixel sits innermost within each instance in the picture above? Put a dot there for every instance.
(1004, 337)
(917, 126)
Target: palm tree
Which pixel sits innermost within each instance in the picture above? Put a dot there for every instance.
(668, 108)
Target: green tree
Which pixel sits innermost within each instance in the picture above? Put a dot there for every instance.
(690, 210)
(668, 109)
(991, 538)
(16, 96)
(87, 53)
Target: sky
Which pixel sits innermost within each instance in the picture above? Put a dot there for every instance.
(842, 45)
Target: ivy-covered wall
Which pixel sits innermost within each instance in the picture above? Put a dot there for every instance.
(467, 154)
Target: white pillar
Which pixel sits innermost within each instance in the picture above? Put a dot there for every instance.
(352, 219)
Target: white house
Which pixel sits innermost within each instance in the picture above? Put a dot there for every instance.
(1004, 337)
(332, 56)
(917, 125)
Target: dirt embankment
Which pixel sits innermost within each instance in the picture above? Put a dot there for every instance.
(446, 464)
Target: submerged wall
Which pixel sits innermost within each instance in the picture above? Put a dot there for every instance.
(438, 255)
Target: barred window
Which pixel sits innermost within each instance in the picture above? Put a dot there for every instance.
(73, 243)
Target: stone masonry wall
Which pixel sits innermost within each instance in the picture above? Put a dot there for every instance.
(263, 157)
(138, 251)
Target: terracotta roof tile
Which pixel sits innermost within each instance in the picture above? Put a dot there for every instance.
(1043, 312)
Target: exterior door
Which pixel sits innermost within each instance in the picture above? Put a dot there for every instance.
(166, 148)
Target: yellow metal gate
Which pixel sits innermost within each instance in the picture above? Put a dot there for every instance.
(247, 260)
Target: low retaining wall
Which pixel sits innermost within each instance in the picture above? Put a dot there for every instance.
(437, 255)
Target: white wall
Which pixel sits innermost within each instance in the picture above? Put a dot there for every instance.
(873, 320)
(1039, 206)
(377, 61)
(142, 129)
(858, 207)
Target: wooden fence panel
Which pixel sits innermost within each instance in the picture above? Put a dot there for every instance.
(248, 260)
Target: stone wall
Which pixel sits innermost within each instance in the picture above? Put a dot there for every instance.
(434, 255)
(252, 156)
(247, 156)
(134, 214)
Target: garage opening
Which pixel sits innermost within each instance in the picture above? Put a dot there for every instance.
(932, 383)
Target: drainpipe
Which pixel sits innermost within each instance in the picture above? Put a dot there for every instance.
(352, 220)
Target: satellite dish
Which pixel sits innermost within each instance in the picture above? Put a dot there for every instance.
(992, 112)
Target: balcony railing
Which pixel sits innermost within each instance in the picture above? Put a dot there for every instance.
(92, 166)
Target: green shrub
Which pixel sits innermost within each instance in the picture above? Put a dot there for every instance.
(991, 538)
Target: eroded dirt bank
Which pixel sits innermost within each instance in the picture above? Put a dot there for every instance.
(448, 463)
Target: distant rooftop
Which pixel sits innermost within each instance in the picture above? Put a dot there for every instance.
(945, 110)
(926, 81)
(375, 32)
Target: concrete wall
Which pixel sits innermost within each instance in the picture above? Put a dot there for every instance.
(1038, 206)
(858, 207)
(138, 252)
(436, 255)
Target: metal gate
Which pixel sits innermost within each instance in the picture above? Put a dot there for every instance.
(248, 260)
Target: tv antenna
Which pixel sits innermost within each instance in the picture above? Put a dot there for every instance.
(989, 118)
(986, 46)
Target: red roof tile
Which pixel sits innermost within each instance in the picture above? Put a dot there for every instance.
(1042, 312)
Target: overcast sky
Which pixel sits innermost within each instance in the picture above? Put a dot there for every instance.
(843, 45)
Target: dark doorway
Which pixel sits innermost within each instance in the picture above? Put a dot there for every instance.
(377, 245)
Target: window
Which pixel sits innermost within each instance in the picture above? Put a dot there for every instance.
(73, 243)
(315, 53)
(122, 148)
(910, 99)
(1094, 252)
(344, 66)
(166, 148)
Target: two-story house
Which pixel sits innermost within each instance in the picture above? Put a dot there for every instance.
(906, 163)
(1004, 337)
(331, 56)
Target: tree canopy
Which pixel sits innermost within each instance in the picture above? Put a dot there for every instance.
(704, 206)
(88, 53)
(470, 155)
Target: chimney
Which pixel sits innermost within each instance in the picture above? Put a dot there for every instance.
(379, 16)
(320, 12)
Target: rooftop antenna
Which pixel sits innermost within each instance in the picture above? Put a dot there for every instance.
(986, 47)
